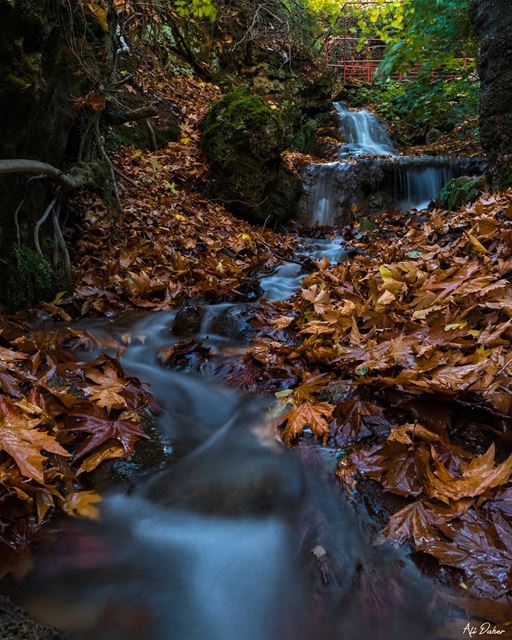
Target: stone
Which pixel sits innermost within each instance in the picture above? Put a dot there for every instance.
(243, 138)
(16, 624)
(433, 135)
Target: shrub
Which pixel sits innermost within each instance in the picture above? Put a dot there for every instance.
(458, 192)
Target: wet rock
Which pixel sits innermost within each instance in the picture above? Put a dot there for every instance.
(241, 469)
(335, 192)
(433, 135)
(243, 139)
(187, 355)
(235, 323)
(16, 624)
(149, 456)
(187, 322)
(233, 480)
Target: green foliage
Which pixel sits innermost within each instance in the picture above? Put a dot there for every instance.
(29, 278)
(458, 192)
(196, 9)
(433, 33)
(442, 104)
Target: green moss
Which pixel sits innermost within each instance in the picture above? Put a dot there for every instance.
(243, 121)
(28, 277)
(243, 138)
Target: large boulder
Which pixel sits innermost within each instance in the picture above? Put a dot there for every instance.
(243, 138)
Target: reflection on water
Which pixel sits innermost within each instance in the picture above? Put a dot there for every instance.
(241, 539)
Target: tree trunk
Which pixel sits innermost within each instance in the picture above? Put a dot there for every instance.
(492, 20)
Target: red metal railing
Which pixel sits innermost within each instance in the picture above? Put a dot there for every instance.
(357, 71)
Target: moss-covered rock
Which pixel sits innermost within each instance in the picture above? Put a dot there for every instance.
(243, 138)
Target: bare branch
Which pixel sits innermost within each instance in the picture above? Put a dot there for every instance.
(74, 179)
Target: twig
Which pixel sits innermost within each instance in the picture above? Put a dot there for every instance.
(16, 222)
(125, 177)
(39, 223)
(61, 243)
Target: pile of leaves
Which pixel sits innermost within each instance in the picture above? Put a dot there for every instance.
(170, 242)
(61, 418)
(462, 141)
(402, 358)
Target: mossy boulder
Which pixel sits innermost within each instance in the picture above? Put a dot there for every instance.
(243, 138)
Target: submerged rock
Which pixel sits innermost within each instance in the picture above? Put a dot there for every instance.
(235, 323)
(16, 624)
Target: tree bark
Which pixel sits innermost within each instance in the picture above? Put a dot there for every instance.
(68, 181)
(492, 20)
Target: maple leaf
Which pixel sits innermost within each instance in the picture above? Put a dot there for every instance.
(470, 544)
(107, 452)
(106, 393)
(479, 476)
(81, 505)
(316, 416)
(20, 438)
(101, 429)
(413, 522)
(318, 296)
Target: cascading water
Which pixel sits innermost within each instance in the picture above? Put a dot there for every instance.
(370, 177)
(416, 188)
(236, 538)
(364, 133)
(323, 194)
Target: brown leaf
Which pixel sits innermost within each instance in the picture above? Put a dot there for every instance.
(315, 416)
(479, 476)
(81, 505)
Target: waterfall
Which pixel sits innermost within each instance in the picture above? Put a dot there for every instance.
(362, 184)
(363, 132)
(322, 194)
(416, 188)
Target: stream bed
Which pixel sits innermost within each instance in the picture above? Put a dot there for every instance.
(234, 537)
(231, 536)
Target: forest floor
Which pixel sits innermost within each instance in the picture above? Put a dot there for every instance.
(399, 358)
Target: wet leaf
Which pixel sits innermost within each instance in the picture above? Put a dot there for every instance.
(81, 504)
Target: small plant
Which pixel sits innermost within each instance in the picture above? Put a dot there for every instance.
(458, 192)
(29, 277)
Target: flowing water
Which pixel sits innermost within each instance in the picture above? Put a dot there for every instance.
(368, 164)
(363, 132)
(235, 537)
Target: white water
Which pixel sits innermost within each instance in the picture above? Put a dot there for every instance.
(412, 187)
(364, 133)
(417, 188)
(286, 279)
(220, 544)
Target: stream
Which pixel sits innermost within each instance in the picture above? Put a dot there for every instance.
(234, 537)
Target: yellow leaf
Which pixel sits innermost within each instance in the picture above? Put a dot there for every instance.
(456, 325)
(476, 243)
(58, 298)
(107, 452)
(81, 505)
(385, 273)
(100, 15)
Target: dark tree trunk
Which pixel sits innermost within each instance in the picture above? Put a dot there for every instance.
(493, 24)
(45, 72)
